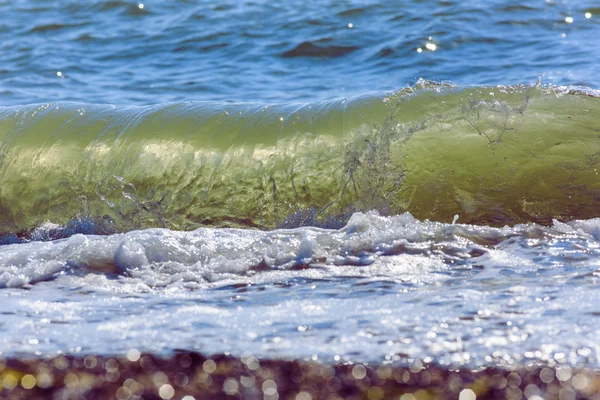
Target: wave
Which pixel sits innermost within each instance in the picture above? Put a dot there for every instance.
(492, 155)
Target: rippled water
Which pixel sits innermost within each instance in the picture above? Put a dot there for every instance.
(275, 178)
(133, 52)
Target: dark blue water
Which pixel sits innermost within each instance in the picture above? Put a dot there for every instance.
(128, 52)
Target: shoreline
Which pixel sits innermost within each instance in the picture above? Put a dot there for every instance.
(145, 376)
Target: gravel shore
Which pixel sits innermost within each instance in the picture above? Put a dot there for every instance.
(194, 376)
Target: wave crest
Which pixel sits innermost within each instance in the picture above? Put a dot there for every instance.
(498, 155)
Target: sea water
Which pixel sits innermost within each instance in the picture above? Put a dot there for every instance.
(336, 181)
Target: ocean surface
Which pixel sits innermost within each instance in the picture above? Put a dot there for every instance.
(342, 181)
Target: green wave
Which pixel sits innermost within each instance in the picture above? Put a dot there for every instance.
(497, 155)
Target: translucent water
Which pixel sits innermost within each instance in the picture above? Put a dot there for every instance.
(498, 155)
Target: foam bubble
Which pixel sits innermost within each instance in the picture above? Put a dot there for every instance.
(162, 257)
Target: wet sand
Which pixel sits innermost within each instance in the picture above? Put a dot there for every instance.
(144, 376)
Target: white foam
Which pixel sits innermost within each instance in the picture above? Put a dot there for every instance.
(161, 257)
(379, 287)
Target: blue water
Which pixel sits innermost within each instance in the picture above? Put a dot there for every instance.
(127, 52)
(383, 287)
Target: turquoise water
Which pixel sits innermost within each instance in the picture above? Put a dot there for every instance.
(339, 181)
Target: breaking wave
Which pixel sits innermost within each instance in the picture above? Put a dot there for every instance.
(492, 155)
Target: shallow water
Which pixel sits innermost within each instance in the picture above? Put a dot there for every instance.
(380, 289)
(276, 179)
